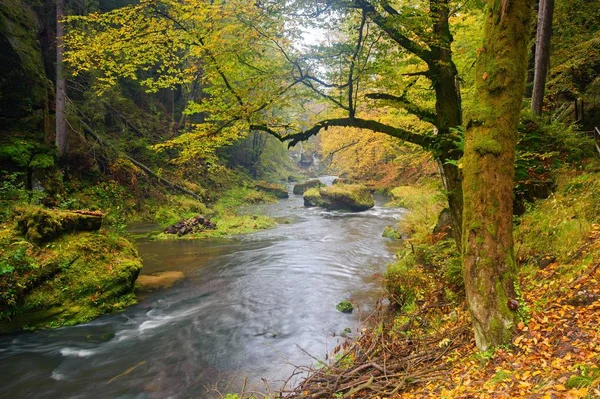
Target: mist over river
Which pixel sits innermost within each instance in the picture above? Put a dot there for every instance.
(252, 306)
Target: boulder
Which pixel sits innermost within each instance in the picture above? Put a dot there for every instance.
(344, 180)
(40, 224)
(159, 280)
(312, 197)
(278, 190)
(70, 279)
(352, 197)
(300, 188)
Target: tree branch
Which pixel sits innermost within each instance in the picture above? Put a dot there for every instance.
(394, 34)
(402, 101)
(367, 124)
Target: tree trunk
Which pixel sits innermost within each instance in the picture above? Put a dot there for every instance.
(488, 173)
(542, 54)
(61, 85)
(448, 113)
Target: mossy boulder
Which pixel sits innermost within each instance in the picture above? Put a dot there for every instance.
(301, 188)
(352, 197)
(40, 224)
(278, 190)
(344, 180)
(345, 307)
(312, 197)
(71, 279)
(158, 280)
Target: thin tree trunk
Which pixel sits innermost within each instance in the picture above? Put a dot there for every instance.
(61, 85)
(488, 173)
(448, 113)
(542, 54)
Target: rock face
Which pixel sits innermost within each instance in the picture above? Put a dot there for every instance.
(352, 197)
(277, 190)
(69, 279)
(23, 83)
(159, 280)
(301, 188)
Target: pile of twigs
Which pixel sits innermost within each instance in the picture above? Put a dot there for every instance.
(378, 364)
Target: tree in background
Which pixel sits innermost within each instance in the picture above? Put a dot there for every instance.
(490, 144)
(61, 84)
(542, 54)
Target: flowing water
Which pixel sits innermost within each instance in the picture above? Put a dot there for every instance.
(252, 306)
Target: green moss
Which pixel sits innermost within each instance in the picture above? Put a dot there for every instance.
(486, 145)
(345, 307)
(353, 197)
(72, 279)
(301, 188)
(278, 190)
(312, 197)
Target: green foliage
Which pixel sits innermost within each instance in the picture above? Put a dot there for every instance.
(176, 208)
(404, 281)
(590, 375)
(558, 224)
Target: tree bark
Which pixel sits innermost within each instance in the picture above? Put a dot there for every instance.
(542, 54)
(448, 112)
(61, 85)
(488, 173)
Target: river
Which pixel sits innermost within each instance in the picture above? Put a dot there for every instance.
(251, 306)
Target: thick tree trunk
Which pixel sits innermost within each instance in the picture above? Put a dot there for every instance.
(542, 54)
(61, 85)
(488, 174)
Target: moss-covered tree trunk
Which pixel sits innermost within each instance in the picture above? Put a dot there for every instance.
(488, 174)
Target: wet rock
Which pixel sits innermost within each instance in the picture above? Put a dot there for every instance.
(312, 197)
(352, 197)
(301, 188)
(159, 280)
(345, 307)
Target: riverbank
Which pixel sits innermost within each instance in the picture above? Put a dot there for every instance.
(425, 348)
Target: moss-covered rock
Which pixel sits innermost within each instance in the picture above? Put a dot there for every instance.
(345, 307)
(278, 190)
(301, 188)
(69, 280)
(39, 224)
(343, 180)
(352, 197)
(312, 197)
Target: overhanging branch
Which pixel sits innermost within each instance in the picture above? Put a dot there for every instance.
(367, 124)
(403, 102)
